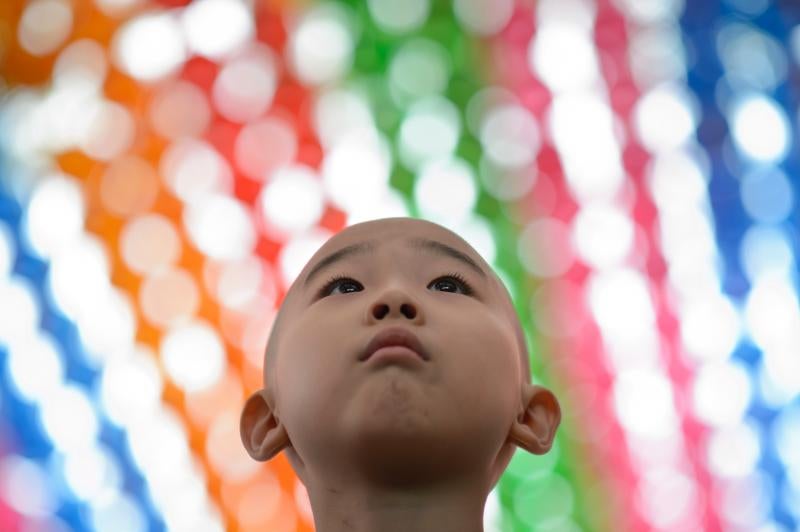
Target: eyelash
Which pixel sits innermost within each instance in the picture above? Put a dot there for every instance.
(465, 286)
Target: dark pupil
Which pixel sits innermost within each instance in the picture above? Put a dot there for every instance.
(350, 284)
(446, 284)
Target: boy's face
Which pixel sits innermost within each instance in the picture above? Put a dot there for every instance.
(344, 415)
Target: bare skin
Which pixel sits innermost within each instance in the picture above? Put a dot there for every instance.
(398, 445)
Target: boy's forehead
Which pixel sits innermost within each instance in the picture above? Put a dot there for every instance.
(393, 232)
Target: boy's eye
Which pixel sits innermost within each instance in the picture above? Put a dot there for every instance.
(447, 283)
(452, 281)
(346, 283)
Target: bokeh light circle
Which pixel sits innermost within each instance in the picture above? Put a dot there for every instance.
(244, 88)
(292, 201)
(149, 243)
(44, 26)
(399, 17)
(321, 46)
(220, 226)
(149, 46)
(193, 356)
(250, 154)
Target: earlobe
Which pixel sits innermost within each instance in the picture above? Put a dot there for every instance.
(536, 426)
(262, 433)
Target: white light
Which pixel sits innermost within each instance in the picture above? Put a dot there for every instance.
(710, 327)
(130, 388)
(107, 130)
(733, 451)
(481, 17)
(149, 243)
(752, 59)
(446, 191)
(582, 126)
(603, 235)
(35, 366)
(621, 304)
(321, 47)
(193, 169)
(159, 447)
(178, 110)
(399, 17)
(82, 62)
(227, 454)
(55, 215)
(193, 356)
(677, 182)
(664, 484)
(644, 403)
(650, 12)
(240, 282)
(687, 236)
(259, 163)
(79, 275)
(109, 328)
(760, 129)
(69, 419)
(721, 393)
(765, 249)
(338, 112)
(664, 119)
(25, 487)
(44, 26)
(169, 297)
(545, 249)
(7, 252)
(506, 183)
(563, 56)
(745, 502)
(221, 227)
(476, 231)
(391, 204)
(656, 54)
(420, 68)
(215, 28)
(510, 136)
(772, 313)
(19, 311)
(781, 369)
(117, 8)
(149, 47)
(92, 473)
(292, 201)
(786, 435)
(360, 161)
(767, 195)
(119, 513)
(429, 131)
(244, 88)
(296, 253)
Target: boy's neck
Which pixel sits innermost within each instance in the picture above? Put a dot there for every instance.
(451, 509)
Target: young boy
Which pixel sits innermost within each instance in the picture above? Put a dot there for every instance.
(396, 378)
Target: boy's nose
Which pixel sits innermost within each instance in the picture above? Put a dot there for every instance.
(395, 304)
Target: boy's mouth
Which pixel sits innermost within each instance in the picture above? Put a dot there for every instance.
(394, 336)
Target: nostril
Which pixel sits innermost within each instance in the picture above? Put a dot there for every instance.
(379, 311)
(408, 311)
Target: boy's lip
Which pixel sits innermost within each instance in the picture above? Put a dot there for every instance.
(394, 336)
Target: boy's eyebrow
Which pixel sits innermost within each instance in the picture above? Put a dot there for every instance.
(368, 247)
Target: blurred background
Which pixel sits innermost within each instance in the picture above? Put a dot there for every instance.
(629, 167)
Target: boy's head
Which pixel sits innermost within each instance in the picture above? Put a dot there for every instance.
(455, 415)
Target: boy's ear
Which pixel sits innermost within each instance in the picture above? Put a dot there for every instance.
(535, 428)
(263, 435)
